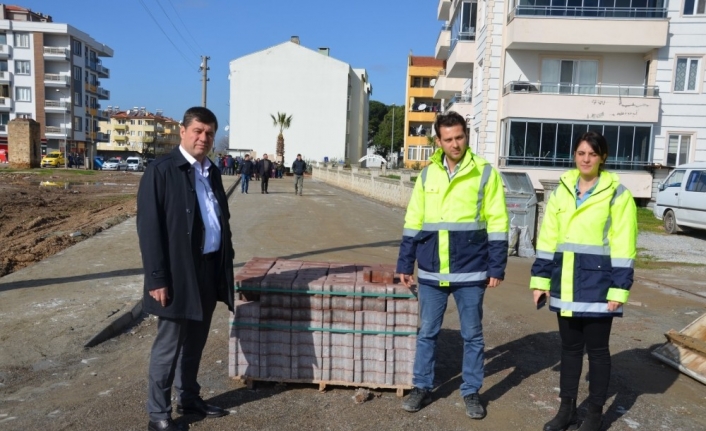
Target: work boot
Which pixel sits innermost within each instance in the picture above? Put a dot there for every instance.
(594, 418)
(566, 418)
(474, 408)
(416, 400)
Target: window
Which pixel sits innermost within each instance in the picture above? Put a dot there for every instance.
(77, 99)
(76, 46)
(420, 82)
(412, 153)
(132, 122)
(533, 143)
(23, 67)
(88, 124)
(22, 40)
(78, 122)
(674, 179)
(139, 122)
(694, 7)
(3, 39)
(426, 152)
(139, 133)
(686, 74)
(23, 115)
(569, 76)
(463, 23)
(696, 182)
(678, 150)
(23, 94)
(87, 105)
(77, 73)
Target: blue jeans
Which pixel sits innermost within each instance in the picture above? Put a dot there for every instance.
(432, 303)
(244, 180)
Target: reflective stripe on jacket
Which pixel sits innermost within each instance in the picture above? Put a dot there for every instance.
(586, 255)
(456, 230)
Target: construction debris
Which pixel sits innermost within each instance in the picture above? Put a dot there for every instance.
(686, 350)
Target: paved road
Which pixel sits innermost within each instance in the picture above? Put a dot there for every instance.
(48, 311)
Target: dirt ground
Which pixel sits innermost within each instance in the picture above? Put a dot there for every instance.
(45, 211)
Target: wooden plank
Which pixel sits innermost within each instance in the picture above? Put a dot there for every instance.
(323, 384)
(686, 350)
(686, 341)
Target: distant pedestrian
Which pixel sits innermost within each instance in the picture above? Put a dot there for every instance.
(256, 171)
(265, 170)
(299, 168)
(246, 170)
(230, 165)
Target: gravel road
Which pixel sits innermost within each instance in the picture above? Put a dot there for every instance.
(683, 247)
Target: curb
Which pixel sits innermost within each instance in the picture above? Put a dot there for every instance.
(124, 320)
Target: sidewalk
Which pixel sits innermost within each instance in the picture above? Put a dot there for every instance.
(50, 310)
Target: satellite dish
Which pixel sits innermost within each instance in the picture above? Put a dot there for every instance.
(227, 128)
(432, 82)
(422, 106)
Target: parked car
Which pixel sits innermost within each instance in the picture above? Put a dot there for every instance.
(681, 200)
(115, 164)
(53, 159)
(135, 164)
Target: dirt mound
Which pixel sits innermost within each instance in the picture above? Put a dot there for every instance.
(43, 212)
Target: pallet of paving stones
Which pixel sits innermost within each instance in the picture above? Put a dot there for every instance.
(322, 323)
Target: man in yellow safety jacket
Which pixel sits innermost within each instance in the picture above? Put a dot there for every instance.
(456, 228)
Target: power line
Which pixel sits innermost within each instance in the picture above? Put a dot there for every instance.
(186, 27)
(165, 34)
(177, 30)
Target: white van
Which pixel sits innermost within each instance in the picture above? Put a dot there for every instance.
(681, 201)
(135, 164)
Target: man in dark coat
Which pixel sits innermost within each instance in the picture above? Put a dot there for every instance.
(298, 168)
(265, 170)
(246, 170)
(187, 253)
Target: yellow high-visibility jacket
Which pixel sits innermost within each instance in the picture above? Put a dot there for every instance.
(457, 230)
(586, 255)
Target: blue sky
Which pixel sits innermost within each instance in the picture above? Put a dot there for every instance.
(147, 70)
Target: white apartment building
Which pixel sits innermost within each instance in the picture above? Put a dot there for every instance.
(539, 73)
(327, 99)
(50, 72)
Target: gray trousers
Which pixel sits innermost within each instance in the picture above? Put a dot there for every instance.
(298, 184)
(176, 352)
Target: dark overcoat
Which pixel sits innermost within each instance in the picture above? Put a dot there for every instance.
(166, 210)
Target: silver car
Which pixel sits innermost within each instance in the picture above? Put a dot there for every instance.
(115, 164)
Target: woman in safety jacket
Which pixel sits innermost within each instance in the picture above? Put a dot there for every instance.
(585, 256)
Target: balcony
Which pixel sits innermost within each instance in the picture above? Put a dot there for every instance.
(5, 77)
(446, 87)
(462, 55)
(5, 51)
(600, 102)
(443, 43)
(443, 10)
(117, 137)
(90, 88)
(56, 106)
(460, 103)
(54, 132)
(103, 71)
(593, 29)
(102, 137)
(56, 80)
(56, 53)
(5, 104)
(103, 93)
(120, 126)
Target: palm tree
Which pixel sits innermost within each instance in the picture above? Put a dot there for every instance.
(282, 121)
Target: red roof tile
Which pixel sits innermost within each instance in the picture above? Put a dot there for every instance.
(425, 62)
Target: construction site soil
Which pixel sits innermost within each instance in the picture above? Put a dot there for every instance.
(45, 211)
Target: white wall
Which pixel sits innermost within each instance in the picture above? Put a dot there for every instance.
(289, 78)
(682, 112)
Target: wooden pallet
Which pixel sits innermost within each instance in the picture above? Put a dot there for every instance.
(323, 384)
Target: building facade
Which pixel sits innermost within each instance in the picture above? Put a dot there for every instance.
(541, 73)
(137, 132)
(52, 73)
(327, 99)
(421, 107)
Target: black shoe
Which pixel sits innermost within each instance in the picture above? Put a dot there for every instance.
(594, 418)
(200, 407)
(566, 418)
(474, 409)
(266, 192)
(417, 399)
(262, 193)
(163, 425)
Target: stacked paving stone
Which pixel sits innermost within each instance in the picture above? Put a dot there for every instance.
(319, 322)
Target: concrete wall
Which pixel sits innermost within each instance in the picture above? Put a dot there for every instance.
(367, 182)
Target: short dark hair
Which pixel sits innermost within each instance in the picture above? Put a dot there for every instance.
(596, 141)
(299, 155)
(449, 119)
(201, 114)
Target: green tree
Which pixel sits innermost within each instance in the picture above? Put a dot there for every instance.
(384, 135)
(376, 113)
(282, 121)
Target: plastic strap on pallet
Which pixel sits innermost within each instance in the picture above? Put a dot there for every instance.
(314, 329)
(322, 292)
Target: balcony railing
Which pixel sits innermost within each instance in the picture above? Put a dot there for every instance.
(55, 130)
(463, 36)
(56, 51)
(582, 89)
(55, 104)
(55, 77)
(568, 162)
(457, 98)
(587, 12)
(446, 27)
(102, 92)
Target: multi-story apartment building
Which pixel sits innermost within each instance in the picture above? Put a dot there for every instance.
(327, 98)
(540, 73)
(136, 132)
(50, 72)
(421, 107)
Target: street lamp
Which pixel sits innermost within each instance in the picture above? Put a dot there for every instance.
(65, 149)
(392, 139)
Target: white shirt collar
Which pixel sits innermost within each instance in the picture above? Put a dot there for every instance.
(203, 167)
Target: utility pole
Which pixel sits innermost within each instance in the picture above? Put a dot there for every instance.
(204, 78)
(392, 139)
